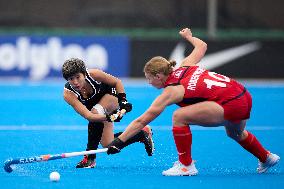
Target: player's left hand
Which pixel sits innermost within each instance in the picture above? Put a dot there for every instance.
(115, 146)
(186, 33)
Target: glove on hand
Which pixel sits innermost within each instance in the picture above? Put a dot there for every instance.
(115, 146)
(123, 103)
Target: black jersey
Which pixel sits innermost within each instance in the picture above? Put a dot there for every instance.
(99, 90)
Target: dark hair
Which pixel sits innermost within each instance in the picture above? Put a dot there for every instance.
(73, 66)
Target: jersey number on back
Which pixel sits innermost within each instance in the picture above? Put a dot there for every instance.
(220, 80)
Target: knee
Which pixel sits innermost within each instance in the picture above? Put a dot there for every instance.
(178, 118)
(230, 134)
(237, 135)
(104, 145)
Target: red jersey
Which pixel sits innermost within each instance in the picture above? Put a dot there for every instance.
(202, 85)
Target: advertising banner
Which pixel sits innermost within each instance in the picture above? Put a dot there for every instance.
(40, 57)
(261, 59)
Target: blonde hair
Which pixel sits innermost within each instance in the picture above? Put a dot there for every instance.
(159, 64)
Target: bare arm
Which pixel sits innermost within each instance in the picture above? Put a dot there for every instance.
(107, 79)
(170, 95)
(71, 99)
(114, 82)
(199, 50)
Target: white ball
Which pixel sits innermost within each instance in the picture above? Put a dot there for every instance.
(54, 176)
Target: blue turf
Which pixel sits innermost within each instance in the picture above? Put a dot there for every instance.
(35, 120)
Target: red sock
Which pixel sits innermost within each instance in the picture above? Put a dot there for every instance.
(252, 145)
(183, 140)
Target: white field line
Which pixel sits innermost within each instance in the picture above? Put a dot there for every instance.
(132, 82)
(157, 128)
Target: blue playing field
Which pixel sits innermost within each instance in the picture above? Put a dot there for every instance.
(35, 120)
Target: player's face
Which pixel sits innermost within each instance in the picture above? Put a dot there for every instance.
(156, 81)
(77, 81)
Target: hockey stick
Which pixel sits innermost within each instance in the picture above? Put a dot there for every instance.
(121, 113)
(47, 157)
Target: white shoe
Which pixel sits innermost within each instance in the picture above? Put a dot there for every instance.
(271, 160)
(181, 170)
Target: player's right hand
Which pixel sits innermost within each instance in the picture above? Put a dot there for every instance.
(124, 104)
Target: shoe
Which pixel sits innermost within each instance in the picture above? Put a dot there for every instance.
(272, 159)
(148, 140)
(181, 170)
(86, 162)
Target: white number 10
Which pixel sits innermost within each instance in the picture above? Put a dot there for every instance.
(221, 80)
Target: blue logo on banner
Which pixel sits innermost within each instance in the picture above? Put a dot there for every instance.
(39, 57)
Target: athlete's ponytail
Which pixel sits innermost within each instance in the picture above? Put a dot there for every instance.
(172, 63)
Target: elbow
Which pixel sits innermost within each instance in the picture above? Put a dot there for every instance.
(118, 82)
(203, 47)
(199, 44)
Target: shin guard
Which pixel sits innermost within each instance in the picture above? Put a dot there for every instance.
(183, 141)
(95, 131)
(252, 145)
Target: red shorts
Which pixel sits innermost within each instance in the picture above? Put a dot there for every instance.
(239, 108)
